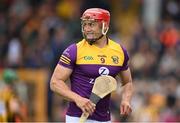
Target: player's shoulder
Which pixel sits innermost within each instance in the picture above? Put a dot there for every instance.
(115, 45)
(73, 47)
(81, 43)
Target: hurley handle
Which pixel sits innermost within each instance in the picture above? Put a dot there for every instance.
(83, 117)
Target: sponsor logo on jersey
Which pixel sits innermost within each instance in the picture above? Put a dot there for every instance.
(66, 52)
(103, 71)
(102, 56)
(88, 58)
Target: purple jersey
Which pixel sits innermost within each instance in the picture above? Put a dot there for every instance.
(88, 62)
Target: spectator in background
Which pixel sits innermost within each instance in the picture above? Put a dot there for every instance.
(169, 113)
(168, 63)
(14, 53)
(169, 36)
(12, 108)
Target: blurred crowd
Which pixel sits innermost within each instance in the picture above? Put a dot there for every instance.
(33, 34)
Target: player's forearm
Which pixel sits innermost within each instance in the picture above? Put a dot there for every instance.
(62, 89)
(127, 92)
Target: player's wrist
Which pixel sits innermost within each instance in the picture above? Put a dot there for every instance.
(76, 98)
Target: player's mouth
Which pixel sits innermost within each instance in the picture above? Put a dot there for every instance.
(90, 35)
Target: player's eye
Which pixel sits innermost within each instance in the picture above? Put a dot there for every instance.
(83, 24)
(91, 24)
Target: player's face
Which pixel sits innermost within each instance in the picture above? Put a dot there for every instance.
(91, 29)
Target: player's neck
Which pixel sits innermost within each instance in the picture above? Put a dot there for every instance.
(101, 42)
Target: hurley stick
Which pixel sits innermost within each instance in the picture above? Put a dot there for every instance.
(103, 86)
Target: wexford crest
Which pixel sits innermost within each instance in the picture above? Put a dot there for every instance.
(115, 59)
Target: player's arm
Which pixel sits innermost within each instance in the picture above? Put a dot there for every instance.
(127, 92)
(58, 85)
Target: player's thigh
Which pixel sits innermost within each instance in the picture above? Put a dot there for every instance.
(70, 119)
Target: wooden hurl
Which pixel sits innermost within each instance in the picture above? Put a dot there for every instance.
(103, 86)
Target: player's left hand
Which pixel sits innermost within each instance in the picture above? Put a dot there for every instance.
(125, 108)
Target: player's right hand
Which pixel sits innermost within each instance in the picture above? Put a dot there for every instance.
(86, 105)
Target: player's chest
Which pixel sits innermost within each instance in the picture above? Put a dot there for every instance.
(100, 57)
(95, 63)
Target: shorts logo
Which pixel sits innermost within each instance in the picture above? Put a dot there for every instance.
(103, 71)
(88, 58)
(115, 59)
